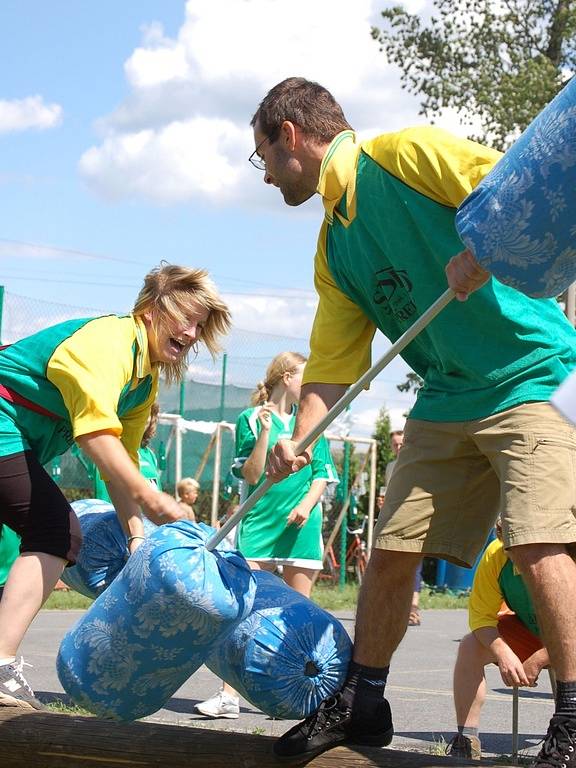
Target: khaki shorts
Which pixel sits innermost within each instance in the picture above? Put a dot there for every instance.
(452, 479)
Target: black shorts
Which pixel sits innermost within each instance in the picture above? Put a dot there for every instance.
(32, 505)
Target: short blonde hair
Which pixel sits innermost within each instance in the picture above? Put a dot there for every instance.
(185, 483)
(167, 293)
(285, 362)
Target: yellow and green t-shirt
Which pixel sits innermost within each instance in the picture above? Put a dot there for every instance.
(387, 236)
(75, 378)
(496, 581)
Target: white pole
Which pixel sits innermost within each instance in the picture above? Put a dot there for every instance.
(372, 497)
(338, 408)
(216, 476)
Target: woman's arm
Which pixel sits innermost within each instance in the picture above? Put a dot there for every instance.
(253, 468)
(128, 488)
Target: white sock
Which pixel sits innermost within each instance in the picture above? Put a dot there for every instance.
(8, 660)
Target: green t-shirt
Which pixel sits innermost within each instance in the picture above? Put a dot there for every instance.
(263, 532)
(9, 551)
(381, 262)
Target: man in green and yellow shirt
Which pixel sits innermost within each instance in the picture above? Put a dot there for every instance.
(481, 438)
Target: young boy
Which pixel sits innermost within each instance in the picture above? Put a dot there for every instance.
(92, 381)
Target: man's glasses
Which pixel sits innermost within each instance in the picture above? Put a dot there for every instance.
(255, 159)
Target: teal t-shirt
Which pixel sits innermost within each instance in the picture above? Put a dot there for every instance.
(263, 532)
(148, 468)
(496, 350)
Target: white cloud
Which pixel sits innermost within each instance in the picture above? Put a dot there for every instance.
(31, 112)
(283, 316)
(183, 134)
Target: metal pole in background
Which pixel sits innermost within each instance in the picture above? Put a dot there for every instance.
(372, 496)
(344, 526)
(182, 398)
(223, 386)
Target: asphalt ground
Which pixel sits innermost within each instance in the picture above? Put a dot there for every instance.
(419, 689)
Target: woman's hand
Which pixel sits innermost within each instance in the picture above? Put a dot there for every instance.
(265, 417)
(161, 508)
(299, 516)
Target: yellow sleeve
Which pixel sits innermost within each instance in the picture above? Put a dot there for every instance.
(486, 597)
(90, 369)
(434, 162)
(341, 340)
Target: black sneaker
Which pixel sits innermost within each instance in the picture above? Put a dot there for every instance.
(14, 690)
(558, 750)
(333, 724)
(466, 747)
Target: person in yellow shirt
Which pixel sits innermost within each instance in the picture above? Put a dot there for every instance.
(504, 632)
(91, 381)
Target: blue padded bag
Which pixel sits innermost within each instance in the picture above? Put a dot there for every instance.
(104, 549)
(519, 221)
(156, 623)
(287, 656)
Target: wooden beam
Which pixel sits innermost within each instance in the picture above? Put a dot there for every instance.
(46, 740)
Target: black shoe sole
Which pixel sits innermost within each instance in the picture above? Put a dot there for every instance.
(382, 740)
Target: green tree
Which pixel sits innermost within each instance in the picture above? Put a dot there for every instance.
(496, 62)
(383, 451)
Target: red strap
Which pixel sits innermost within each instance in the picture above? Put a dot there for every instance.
(14, 397)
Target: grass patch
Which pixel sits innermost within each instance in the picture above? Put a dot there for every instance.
(60, 707)
(66, 601)
(335, 599)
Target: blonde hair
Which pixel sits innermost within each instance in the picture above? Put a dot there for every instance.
(152, 425)
(185, 483)
(167, 293)
(285, 362)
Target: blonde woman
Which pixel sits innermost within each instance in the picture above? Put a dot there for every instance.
(284, 528)
(91, 381)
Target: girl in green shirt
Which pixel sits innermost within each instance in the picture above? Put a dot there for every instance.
(284, 528)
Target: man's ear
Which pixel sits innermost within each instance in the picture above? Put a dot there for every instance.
(288, 133)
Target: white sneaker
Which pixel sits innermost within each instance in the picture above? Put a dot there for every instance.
(222, 704)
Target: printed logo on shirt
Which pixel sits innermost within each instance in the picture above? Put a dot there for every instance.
(392, 292)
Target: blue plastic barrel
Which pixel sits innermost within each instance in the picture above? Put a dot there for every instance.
(456, 577)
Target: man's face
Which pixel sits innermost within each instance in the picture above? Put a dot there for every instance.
(286, 163)
(396, 441)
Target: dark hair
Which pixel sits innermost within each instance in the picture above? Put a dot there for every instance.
(306, 104)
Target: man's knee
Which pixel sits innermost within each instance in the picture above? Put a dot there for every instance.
(394, 564)
(529, 557)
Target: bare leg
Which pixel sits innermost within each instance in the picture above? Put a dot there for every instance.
(299, 579)
(469, 680)
(32, 578)
(384, 606)
(550, 574)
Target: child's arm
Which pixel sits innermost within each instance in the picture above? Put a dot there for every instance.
(128, 488)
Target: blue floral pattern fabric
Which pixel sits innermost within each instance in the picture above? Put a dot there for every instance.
(519, 221)
(104, 550)
(156, 623)
(287, 655)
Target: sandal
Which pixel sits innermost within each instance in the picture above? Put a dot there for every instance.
(414, 618)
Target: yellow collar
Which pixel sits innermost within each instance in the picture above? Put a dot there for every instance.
(338, 177)
(143, 365)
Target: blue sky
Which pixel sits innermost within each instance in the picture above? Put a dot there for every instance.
(124, 137)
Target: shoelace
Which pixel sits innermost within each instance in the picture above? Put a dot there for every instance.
(558, 747)
(329, 713)
(19, 667)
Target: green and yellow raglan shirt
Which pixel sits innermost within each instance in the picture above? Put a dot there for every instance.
(387, 236)
(74, 378)
(496, 580)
